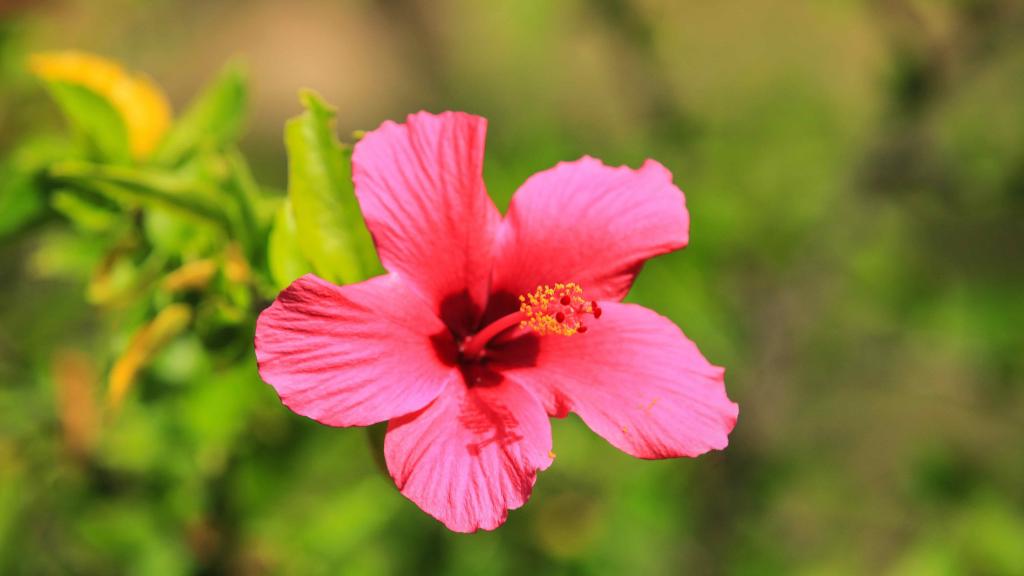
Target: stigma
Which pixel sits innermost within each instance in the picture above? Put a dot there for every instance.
(557, 309)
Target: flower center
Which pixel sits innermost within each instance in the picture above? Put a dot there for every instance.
(558, 309)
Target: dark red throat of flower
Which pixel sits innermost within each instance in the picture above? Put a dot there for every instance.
(558, 309)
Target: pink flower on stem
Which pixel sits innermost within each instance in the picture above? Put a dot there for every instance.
(484, 326)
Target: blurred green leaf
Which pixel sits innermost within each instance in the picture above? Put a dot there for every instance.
(156, 188)
(120, 279)
(168, 323)
(12, 488)
(978, 132)
(87, 215)
(286, 261)
(214, 119)
(128, 533)
(94, 119)
(992, 534)
(22, 189)
(245, 192)
(61, 253)
(171, 232)
(20, 199)
(331, 231)
(215, 410)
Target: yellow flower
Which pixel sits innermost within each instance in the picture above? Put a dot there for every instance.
(141, 104)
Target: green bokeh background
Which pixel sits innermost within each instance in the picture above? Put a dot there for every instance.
(855, 176)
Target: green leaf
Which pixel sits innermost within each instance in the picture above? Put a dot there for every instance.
(173, 233)
(20, 200)
(331, 231)
(246, 194)
(149, 187)
(85, 213)
(94, 119)
(61, 253)
(213, 120)
(22, 189)
(284, 256)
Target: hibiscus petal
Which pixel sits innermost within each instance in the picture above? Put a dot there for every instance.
(587, 223)
(353, 355)
(472, 455)
(420, 186)
(636, 380)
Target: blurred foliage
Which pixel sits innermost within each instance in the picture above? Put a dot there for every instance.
(855, 174)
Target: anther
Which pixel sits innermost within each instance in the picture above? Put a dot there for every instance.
(557, 309)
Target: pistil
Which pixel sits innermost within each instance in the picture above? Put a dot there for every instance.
(558, 309)
(473, 345)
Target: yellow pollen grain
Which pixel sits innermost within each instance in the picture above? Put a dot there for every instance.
(541, 308)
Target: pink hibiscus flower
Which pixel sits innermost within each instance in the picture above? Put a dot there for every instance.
(484, 326)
